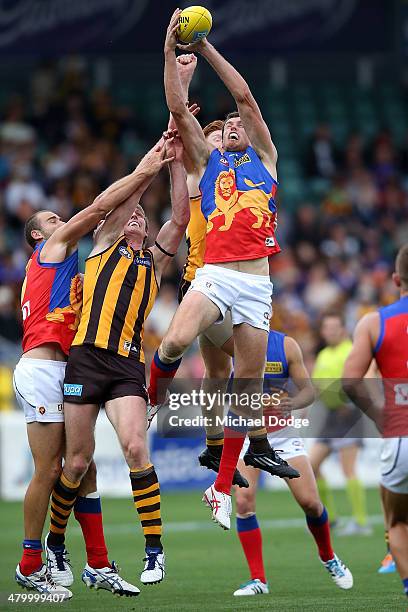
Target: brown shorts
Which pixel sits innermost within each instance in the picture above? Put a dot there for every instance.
(95, 376)
(183, 287)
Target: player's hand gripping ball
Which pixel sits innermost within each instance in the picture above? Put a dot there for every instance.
(194, 24)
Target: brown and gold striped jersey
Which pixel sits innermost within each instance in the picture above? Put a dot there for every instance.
(195, 238)
(120, 288)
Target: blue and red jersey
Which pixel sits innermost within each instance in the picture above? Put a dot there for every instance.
(276, 377)
(51, 301)
(391, 355)
(238, 203)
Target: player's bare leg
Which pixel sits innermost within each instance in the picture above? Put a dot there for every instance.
(250, 534)
(69, 492)
(195, 314)
(396, 505)
(317, 455)
(128, 417)
(387, 564)
(46, 441)
(217, 362)
(250, 346)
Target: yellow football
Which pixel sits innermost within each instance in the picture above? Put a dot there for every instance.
(194, 24)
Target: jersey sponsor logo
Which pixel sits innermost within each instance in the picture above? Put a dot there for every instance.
(270, 241)
(124, 252)
(142, 261)
(244, 159)
(401, 394)
(274, 367)
(74, 390)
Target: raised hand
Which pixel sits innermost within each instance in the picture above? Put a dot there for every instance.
(186, 65)
(174, 145)
(156, 158)
(171, 40)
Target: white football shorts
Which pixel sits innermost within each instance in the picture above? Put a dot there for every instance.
(38, 385)
(247, 296)
(394, 465)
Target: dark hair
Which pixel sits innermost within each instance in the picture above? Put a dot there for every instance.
(227, 117)
(32, 224)
(401, 265)
(335, 314)
(214, 126)
(231, 116)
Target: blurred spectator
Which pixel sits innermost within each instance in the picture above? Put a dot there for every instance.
(322, 157)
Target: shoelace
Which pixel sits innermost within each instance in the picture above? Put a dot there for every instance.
(277, 458)
(61, 557)
(151, 558)
(335, 568)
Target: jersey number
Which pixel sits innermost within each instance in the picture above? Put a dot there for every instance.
(26, 310)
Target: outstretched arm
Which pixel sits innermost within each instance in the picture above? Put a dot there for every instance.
(300, 376)
(172, 232)
(107, 203)
(249, 112)
(357, 365)
(188, 127)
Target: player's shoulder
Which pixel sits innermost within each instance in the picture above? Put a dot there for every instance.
(292, 347)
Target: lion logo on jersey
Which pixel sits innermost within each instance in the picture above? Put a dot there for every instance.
(229, 201)
(75, 305)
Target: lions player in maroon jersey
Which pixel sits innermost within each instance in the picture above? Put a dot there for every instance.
(51, 300)
(383, 336)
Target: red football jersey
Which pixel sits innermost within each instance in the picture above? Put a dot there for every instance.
(238, 203)
(51, 301)
(391, 355)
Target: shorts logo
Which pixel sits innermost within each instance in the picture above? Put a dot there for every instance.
(208, 285)
(60, 407)
(270, 241)
(124, 252)
(75, 390)
(41, 410)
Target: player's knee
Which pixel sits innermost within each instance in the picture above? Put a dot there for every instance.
(311, 506)
(215, 370)
(136, 452)
(48, 473)
(90, 476)
(77, 466)
(245, 504)
(173, 346)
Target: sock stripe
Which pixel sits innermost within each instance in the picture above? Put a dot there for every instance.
(60, 501)
(143, 469)
(248, 523)
(257, 433)
(65, 493)
(67, 483)
(141, 493)
(147, 502)
(56, 528)
(152, 514)
(166, 367)
(153, 530)
(56, 514)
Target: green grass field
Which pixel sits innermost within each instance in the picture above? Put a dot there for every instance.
(205, 565)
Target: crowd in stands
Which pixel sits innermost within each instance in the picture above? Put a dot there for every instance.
(64, 141)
